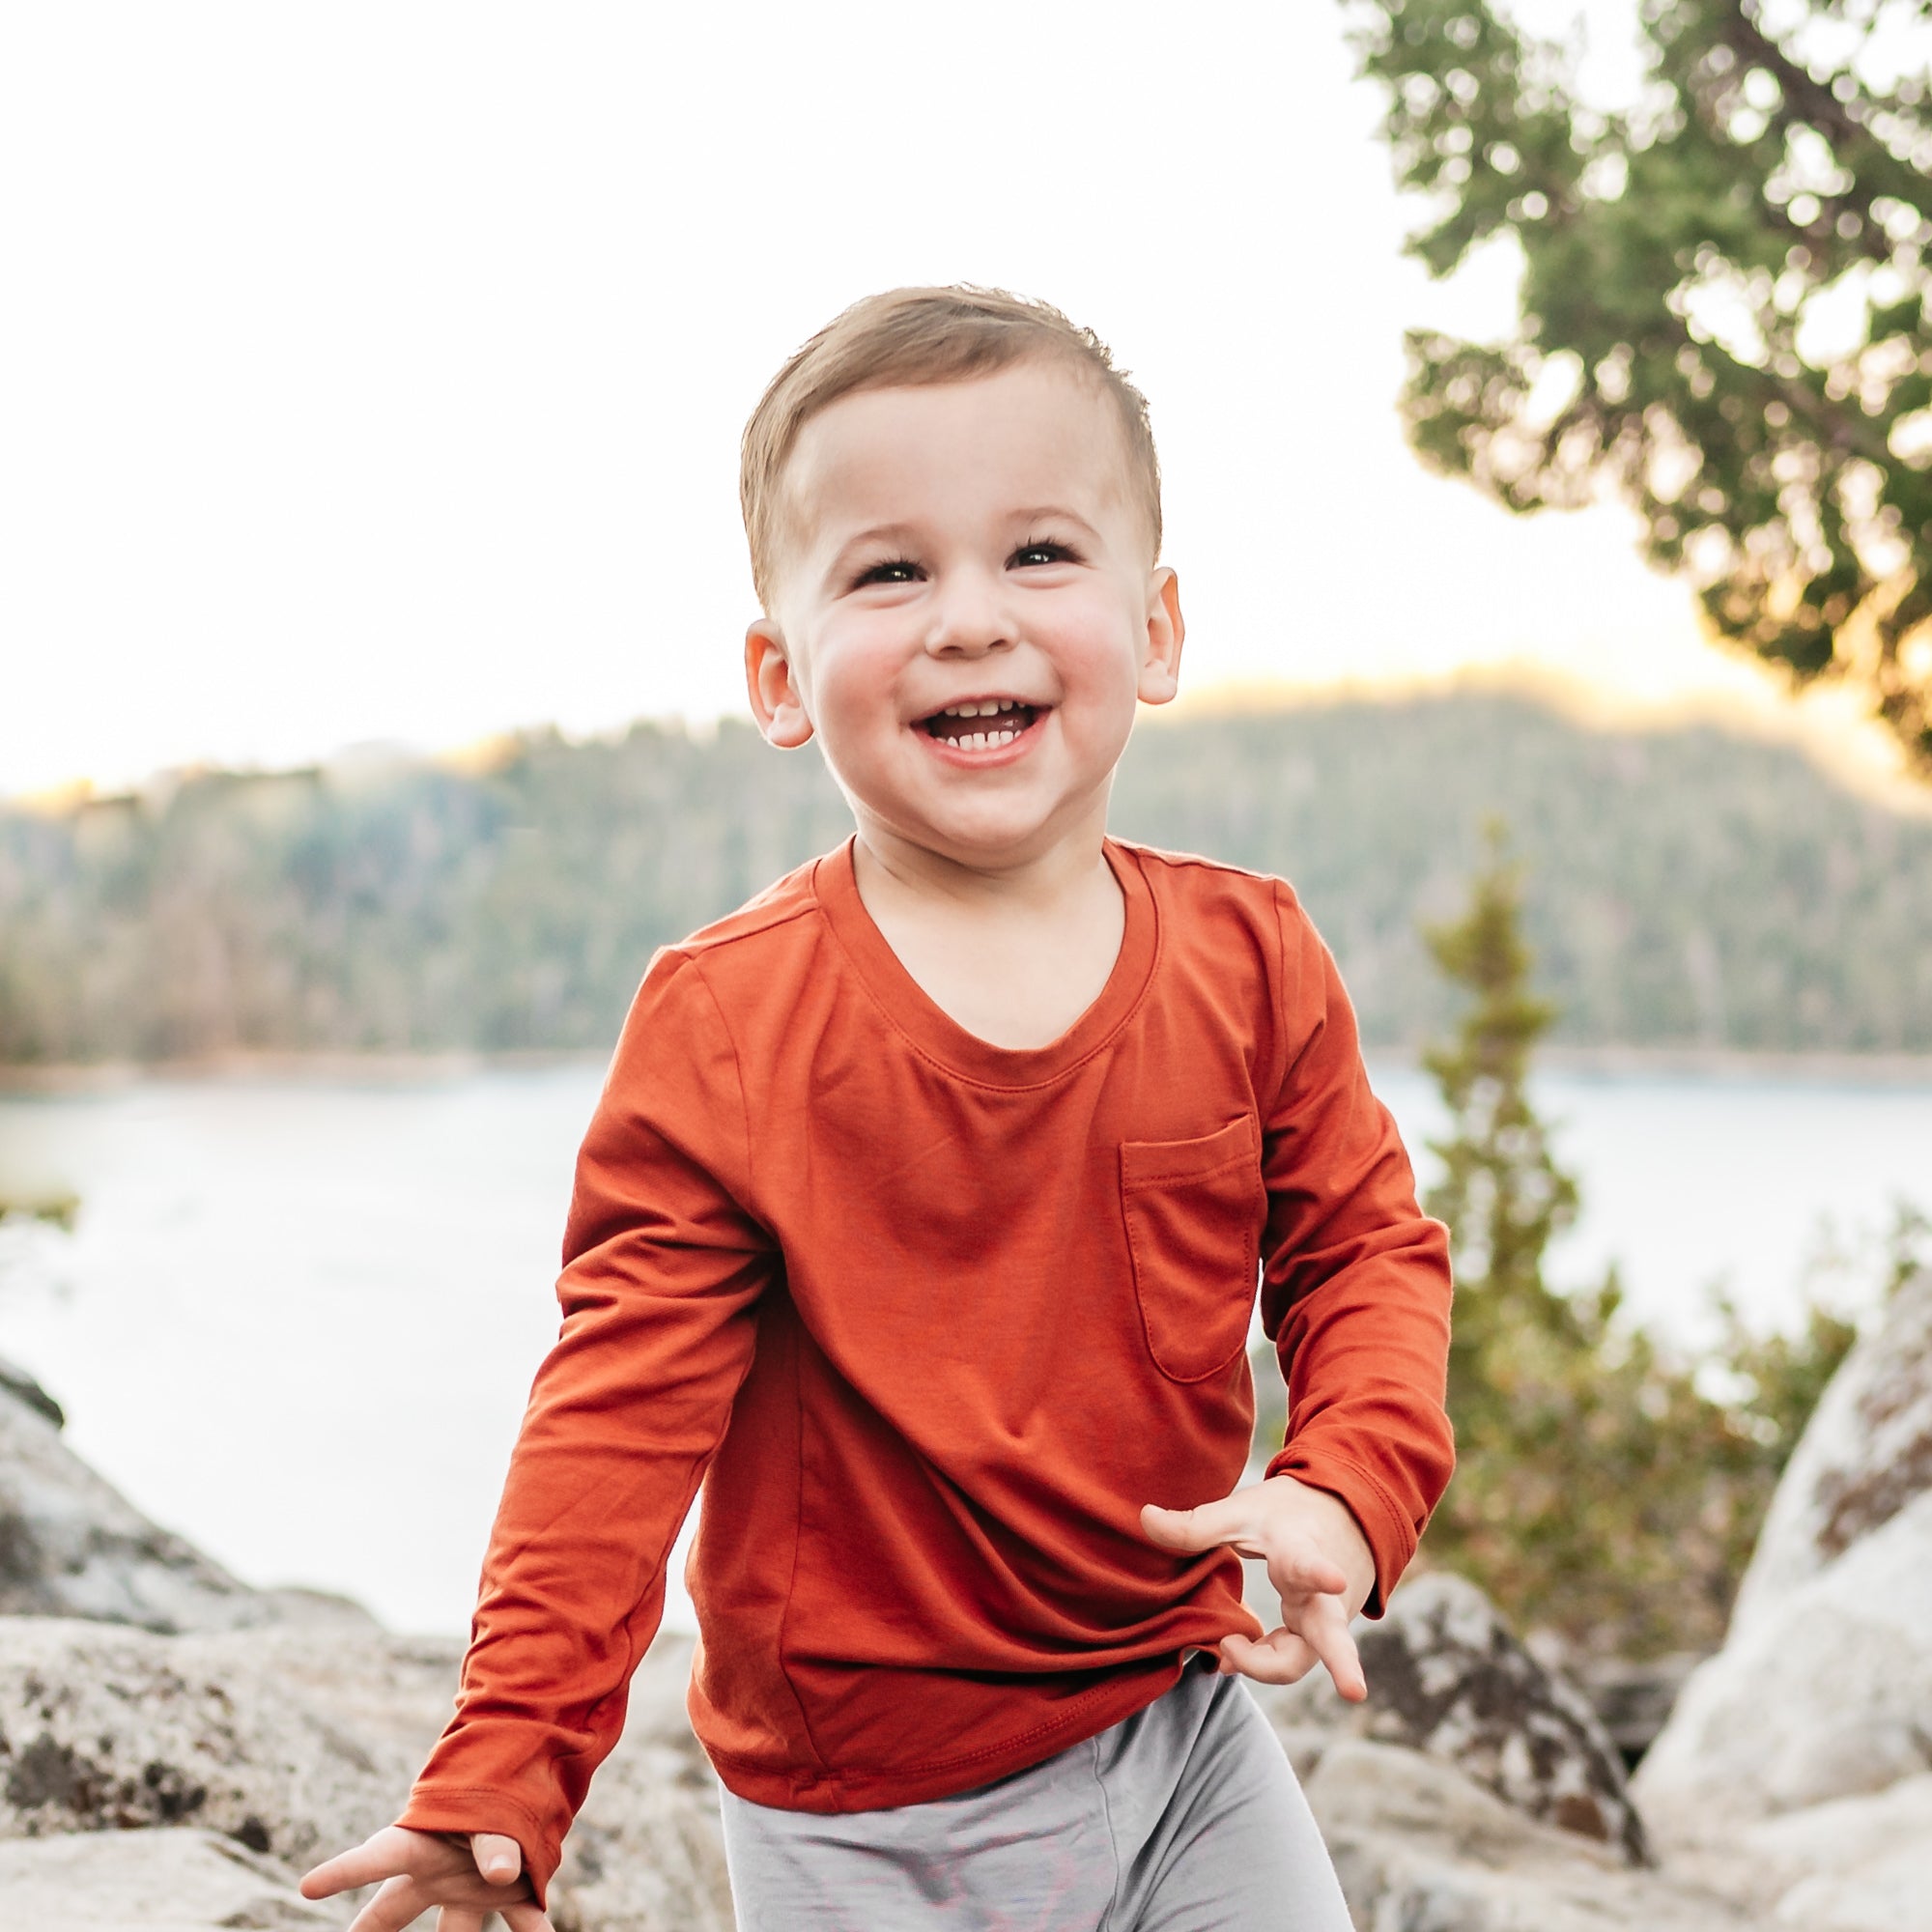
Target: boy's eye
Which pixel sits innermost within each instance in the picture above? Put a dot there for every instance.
(1044, 552)
(894, 570)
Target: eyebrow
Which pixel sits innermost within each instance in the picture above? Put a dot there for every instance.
(1055, 510)
(875, 534)
(907, 533)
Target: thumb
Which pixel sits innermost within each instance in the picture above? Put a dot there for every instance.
(498, 1859)
(1202, 1528)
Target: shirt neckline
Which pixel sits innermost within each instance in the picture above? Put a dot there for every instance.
(940, 1037)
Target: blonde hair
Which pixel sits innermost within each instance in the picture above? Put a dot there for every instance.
(909, 338)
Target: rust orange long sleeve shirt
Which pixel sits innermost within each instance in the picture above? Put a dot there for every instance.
(931, 1320)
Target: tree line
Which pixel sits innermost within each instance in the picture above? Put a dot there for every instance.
(1683, 887)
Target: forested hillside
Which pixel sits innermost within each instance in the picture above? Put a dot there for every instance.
(1683, 887)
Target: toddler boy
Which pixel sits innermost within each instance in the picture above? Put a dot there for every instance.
(922, 1217)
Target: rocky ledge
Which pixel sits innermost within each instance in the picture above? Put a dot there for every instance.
(1795, 1772)
(174, 1747)
(274, 1746)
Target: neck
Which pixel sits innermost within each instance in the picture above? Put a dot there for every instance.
(890, 867)
(1013, 953)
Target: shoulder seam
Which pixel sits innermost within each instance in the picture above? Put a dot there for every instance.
(728, 931)
(1178, 860)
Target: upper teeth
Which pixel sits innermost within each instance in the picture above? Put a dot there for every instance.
(986, 708)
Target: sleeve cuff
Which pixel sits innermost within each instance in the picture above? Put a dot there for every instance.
(1390, 1535)
(464, 1811)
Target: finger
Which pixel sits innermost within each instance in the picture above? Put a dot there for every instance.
(359, 1866)
(525, 1919)
(384, 1853)
(498, 1859)
(1324, 1629)
(1228, 1521)
(1279, 1657)
(459, 1919)
(1297, 1567)
(401, 1902)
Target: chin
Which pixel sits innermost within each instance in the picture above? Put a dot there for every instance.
(997, 844)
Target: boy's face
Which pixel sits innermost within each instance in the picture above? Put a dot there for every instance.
(966, 545)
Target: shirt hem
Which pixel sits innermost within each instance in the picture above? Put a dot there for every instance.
(788, 1789)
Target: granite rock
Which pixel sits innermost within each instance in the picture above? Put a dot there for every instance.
(73, 1545)
(1422, 1847)
(1823, 1689)
(1795, 1773)
(186, 1881)
(23, 1388)
(1864, 1458)
(1829, 1695)
(291, 1741)
(294, 1742)
(1448, 1679)
(1633, 1697)
(1850, 1865)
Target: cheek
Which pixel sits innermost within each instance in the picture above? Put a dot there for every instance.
(853, 678)
(1102, 643)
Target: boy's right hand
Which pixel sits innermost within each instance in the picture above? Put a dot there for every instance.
(467, 1878)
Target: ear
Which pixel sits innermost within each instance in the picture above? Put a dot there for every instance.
(772, 686)
(1160, 668)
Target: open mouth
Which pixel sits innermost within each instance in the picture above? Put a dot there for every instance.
(981, 724)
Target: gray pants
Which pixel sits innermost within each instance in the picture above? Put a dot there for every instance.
(1183, 1818)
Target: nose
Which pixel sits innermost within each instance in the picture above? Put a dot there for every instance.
(969, 617)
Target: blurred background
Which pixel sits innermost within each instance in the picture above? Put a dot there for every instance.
(371, 590)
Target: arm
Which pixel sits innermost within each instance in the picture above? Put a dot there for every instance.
(663, 1269)
(1355, 1279)
(1356, 1297)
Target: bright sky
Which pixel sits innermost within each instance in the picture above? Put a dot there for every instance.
(375, 372)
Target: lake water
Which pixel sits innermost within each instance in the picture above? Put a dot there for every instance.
(298, 1318)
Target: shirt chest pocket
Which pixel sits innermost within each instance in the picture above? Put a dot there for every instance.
(1194, 1212)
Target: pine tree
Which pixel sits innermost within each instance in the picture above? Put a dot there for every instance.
(1502, 1191)
(1599, 1490)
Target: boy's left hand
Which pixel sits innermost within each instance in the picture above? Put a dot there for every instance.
(1318, 1560)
